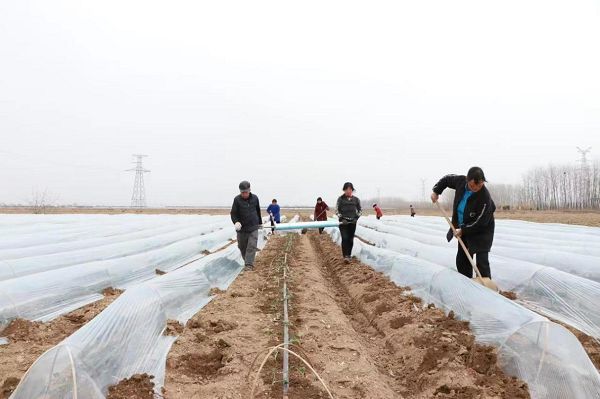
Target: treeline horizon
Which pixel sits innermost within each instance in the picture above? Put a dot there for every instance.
(552, 187)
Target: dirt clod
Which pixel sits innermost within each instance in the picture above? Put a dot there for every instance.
(138, 386)
(8, 387)
(509, 294)
(173, 328)
(399, 322)
(110, 291)
(216, 291)
(21, 330)
(201, 364)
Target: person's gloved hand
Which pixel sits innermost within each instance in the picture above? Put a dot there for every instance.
(434, 197)
(449, 235)
(238, 226)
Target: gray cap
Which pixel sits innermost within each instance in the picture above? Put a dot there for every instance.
(245, 187)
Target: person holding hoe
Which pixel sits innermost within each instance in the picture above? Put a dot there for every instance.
(348, 211)
(245, 215)
(320, 215)
(472, 219)
(274, 212)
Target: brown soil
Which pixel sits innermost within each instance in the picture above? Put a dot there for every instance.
(509, 294)
(419, 351)
(582, 218)
(139, 386)
(590, 345)
(213, 354)
(216, 291)
(28, 340)
(173, 328)
(364, 336)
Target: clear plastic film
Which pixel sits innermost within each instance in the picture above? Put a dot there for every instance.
(567, 298)
(542, 353)
(45, 295)
(85, 227)
(127, 337)
(12, 268)
(571, 249)
(127, 232)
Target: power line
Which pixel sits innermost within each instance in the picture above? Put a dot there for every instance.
(138, 198)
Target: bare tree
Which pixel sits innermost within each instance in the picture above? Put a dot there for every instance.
(41, 200)
(561, 187)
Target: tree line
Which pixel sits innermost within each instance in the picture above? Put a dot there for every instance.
(566, 186)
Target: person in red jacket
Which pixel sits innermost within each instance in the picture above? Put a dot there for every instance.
(321, 212)
(378, 212)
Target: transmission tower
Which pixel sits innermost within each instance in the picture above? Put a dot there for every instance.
(138, 198)
(583, 159)
(423, 191)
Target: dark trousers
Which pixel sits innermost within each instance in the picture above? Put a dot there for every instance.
(247, 243)
(347, 231)
(481, 260)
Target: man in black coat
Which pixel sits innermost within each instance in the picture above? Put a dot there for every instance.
(472, 216)
(245, 215)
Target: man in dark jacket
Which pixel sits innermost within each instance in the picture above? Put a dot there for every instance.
(245, 215)
(473, 217)
(348, 211)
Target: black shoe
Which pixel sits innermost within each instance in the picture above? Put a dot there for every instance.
(347, 259)
(249, 267)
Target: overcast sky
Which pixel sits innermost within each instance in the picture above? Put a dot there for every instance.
(296, 97)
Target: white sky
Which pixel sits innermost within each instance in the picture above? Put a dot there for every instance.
(296, 97)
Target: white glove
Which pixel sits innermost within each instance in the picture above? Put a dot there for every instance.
(238, 226)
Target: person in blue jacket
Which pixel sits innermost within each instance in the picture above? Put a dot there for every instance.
(473, 217)
(274, 211)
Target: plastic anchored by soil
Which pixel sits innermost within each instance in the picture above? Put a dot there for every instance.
(29, 339)
(424, 352)
(138, 386)
(365, 336)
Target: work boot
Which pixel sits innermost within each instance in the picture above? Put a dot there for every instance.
(248, 268)
(347, 259)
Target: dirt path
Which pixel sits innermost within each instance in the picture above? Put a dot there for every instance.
(28, 340)
(420, 353)
(364, 336)
(213, 354)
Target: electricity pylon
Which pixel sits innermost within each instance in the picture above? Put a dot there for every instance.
(138, 198)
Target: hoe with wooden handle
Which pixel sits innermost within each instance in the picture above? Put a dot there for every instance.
(485, 281)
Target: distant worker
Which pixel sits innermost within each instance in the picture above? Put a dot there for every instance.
(378, 213)
(412, 211)
(274, 213)
(473, 217)
(321, 212)
(245, 215)
(348, 211)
